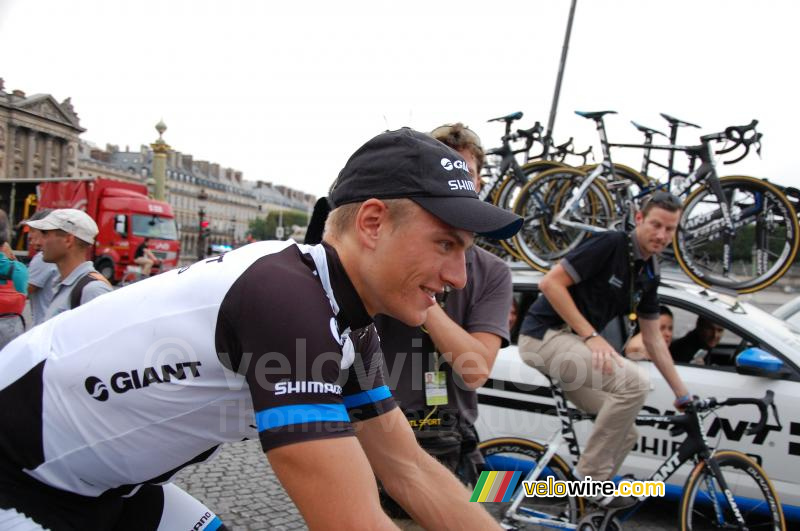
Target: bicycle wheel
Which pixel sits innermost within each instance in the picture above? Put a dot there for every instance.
(704, 504)
(512, 454)
(637, 182)
(541, 242)
(764, 242)
(509, 189)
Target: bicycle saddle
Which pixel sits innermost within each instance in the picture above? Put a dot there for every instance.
(594, 115)
(508, 118)
(647, 130)
(679, 123)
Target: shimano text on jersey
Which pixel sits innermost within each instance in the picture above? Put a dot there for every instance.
(285, 388)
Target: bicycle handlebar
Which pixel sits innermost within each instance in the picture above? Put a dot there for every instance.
(707, 404)
(740, 135)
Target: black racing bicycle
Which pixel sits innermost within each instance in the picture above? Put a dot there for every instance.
(726, 489)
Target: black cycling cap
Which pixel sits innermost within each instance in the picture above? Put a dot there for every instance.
(413, 165)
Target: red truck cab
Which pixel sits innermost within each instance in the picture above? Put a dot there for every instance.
(125, 216)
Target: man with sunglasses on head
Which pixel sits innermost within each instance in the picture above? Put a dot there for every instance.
(609, 275)
(274, 341)
(438, 366)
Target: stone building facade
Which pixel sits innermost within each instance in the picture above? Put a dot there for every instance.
(40, 139)
(38, 136)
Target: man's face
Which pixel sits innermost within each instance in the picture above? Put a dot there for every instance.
(474, 170)
(655, 230)
(54, 245)
(412, 261)
(710, 334)
(665, 327)
(35, 239)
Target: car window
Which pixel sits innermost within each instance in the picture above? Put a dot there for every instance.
(702, 339)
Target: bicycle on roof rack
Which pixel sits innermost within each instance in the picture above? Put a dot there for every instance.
(507, 176)
(736, 232)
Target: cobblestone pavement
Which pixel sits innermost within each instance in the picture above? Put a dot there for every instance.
(240, 487)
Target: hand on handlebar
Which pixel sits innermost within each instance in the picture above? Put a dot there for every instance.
(682, 402)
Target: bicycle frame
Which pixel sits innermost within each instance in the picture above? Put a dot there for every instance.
(706, 173)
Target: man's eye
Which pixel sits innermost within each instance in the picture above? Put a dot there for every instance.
(446, 245)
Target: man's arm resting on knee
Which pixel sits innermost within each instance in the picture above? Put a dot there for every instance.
(331, 483)
(421, 485)
(659, 354)
(554, 286)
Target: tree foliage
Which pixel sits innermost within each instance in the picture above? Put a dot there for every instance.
(265, 228)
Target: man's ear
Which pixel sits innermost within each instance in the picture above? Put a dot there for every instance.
(371, 219)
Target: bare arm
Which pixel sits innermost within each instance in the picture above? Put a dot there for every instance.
(423, 487)
(659, 354)
(635, 350)
(554, 286)
(471, 355)
(331, 483)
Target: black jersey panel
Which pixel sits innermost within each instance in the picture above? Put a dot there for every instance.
(280, 331)
(21, 415)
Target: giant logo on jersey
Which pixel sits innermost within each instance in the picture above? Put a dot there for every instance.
(96, 388)
(124, 381)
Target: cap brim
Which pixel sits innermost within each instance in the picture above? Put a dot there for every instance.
(473, 215)
(41, 224)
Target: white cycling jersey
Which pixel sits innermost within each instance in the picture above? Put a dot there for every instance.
(135, 385)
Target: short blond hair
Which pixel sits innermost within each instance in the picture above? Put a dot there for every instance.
(342, 219)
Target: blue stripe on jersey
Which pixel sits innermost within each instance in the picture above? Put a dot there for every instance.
(367, 397)
(277, 417)
(215, 524)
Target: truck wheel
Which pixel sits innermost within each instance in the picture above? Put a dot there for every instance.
(106, 268)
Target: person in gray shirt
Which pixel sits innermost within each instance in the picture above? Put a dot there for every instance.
(67, 235)
(41, 275)
(434, 370)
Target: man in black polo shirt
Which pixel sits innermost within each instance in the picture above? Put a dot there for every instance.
(610, 274)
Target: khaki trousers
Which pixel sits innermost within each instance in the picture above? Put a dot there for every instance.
(615, 398)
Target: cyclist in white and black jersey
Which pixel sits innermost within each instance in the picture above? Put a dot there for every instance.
(105, 403)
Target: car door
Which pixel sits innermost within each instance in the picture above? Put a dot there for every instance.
(776, 449)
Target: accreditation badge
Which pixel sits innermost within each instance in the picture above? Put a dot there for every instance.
(435, 388)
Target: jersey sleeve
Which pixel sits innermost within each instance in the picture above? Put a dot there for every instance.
(366, 394)
(649, 305)
(582, 262)
(276, 327)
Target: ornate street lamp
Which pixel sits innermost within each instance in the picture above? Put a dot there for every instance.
(203, 227)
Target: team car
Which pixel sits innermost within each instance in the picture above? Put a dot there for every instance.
(516, 401)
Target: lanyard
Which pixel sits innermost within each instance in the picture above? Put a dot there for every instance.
(635, 295)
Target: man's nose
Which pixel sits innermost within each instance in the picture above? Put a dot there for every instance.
(454, 271)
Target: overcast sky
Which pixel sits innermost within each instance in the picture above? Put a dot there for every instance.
(286, 91)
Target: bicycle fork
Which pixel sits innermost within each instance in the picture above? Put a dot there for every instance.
(569, 207)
